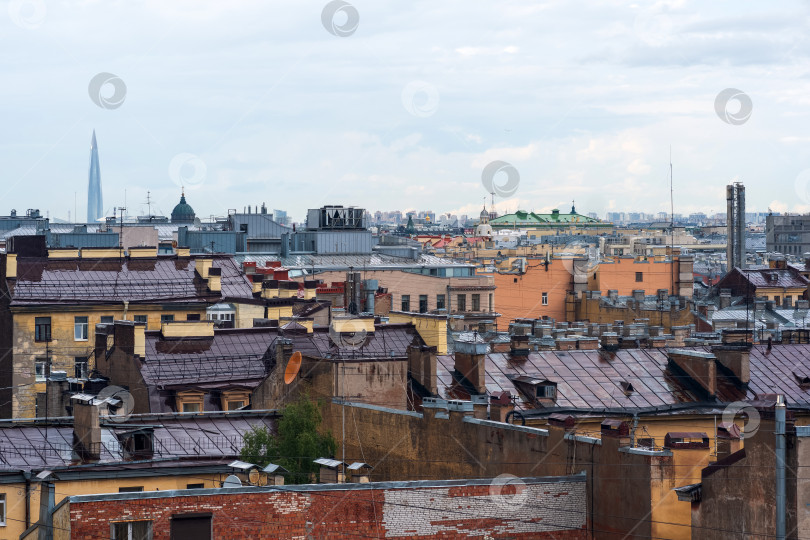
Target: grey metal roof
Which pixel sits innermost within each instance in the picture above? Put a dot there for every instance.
(26, 445)
(326, 462)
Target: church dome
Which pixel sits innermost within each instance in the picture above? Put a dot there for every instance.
(183, 212)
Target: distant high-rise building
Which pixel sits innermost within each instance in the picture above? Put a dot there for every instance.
(735, 225)
(95, 207)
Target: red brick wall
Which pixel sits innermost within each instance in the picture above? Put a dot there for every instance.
(533, 510)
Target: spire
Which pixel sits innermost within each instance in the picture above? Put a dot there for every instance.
(573, 209)
(95, 206)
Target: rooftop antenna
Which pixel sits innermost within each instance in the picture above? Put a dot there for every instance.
(149, 205)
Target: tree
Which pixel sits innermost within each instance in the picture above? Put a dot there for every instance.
(296, 443)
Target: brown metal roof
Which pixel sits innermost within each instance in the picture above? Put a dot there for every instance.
(586, 379)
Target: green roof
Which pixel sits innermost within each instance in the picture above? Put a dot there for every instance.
(521, 218)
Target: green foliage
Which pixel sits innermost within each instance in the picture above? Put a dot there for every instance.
(295, 445)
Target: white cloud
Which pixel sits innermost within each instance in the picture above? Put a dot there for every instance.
(584, 103)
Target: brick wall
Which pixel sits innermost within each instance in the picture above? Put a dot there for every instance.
(518, 508)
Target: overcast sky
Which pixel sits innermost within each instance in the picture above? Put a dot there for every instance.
(257, 101)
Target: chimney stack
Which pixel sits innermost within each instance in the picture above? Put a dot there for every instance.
(86, 427)
(470, 363)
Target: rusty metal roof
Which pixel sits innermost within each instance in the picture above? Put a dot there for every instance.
(586, 379)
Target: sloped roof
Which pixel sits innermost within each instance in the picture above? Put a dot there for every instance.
(590, 379)
(92, 281)
(26, 445)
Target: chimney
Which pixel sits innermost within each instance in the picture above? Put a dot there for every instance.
(422, 367)
(11, 265)
(616, 430)
(480, 403)
(256, 282)
(500, 405)
(725, 298)
(183, 252)
(734, 355)
(638, 295)
(458, 409)
(215, 279)
(86, 427)
(470, 358)
(284, 350)
(519, 345)
(202, 265)
(433, 406)
(563, 421)
(700, 367)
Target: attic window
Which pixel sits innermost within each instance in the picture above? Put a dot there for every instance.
(626, 387)
(138, 444)
(802, 379)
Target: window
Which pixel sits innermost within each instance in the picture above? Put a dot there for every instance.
(166, 318)
(80, 367)
(197, 526)
(130, 489)
(544, 298)
(406, 302)
(490, 303)
(107, 319)
(193, 317)
(234, 405)
(140, 319)
(440, 301)
(195, 486)
(639, 277)
(777, 300)
(80, 328)
(423, 307)
(131, 530)
(192, 407)
(40, 369)
(476, 302)
(462, 302)
(42, 329)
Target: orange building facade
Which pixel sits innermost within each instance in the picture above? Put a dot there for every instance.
(540, 289)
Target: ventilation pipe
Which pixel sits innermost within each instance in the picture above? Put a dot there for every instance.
(780, 467)
(370, 286)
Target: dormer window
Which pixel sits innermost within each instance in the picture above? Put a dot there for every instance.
(535, 389)
(190, 401)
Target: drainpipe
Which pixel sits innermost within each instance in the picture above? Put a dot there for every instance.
(27, 476)
(780, 467)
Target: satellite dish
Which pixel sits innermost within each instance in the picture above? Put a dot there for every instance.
(232, 482)
(293, 367)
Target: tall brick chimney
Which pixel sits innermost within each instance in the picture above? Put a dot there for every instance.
(470, 357)
(422, 366)
(86, 427)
